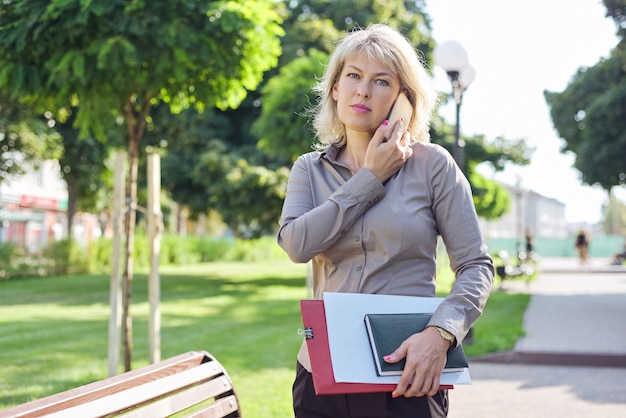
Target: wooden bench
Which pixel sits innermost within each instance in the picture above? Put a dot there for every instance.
(193, 384)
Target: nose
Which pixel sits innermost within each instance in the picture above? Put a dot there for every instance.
(364, 89)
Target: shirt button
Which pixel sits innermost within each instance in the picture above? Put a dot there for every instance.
(359, 268)
(357, 238)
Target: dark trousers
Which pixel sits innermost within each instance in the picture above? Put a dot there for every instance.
(306, 404)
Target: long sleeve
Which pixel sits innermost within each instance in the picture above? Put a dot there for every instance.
(469, 259)
(318, 211)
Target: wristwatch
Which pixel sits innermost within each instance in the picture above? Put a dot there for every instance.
(446, 335)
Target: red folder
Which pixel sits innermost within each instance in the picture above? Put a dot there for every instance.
(316, 332)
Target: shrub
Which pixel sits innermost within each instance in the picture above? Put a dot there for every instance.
(178, 251)
(259, 249)
(64, 257)
(67, 257)
(212, 249)
(8, 256)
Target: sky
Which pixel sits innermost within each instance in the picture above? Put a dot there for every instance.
(519, 49)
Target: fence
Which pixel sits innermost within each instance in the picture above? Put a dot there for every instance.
(601, 246)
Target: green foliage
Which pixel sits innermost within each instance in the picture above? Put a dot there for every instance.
(204, 171)
(497, 152)
(346, 15)
(614, 212)
(60, 257)
(255, 191)
(8, 255)
(175, 250)
(307, 32)
(212, 249)
(23, 132)
(84, 168)
(65, 257)
(589, 114)
(183, 139)
(282, 126)
(491, 199)
(259, 249)
(102, 52)
(179, 251)
(616, 9)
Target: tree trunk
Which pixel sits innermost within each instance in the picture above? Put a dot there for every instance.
(135, 115)
(127, 276)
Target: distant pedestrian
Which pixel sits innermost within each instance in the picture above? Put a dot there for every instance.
(582, 245)
(529, 243)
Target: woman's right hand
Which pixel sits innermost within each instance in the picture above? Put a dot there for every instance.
(388, 150)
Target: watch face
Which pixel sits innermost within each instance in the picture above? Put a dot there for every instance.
(445, 334)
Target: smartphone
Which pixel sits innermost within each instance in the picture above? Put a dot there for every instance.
(402, 108)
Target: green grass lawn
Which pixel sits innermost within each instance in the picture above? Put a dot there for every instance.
(54, 330)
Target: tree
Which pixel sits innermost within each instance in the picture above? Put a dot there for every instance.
(616, 9)
(123, 57)
(282, 127)
(84, 168)
(256, 192)
(589, 114)
(614, 212)
(24, 137)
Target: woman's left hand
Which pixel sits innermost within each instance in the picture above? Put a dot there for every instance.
(425, 354)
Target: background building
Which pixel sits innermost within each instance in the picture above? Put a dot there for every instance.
(33, 207)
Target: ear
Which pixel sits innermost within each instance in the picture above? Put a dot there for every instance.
(335, 93)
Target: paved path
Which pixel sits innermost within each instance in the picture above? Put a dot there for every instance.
(572, 361)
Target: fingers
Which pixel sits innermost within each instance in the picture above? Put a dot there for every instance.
(424, 363)
(387, 151)
(397, 133)
(416, 383)
(394, 134)
(381, 133)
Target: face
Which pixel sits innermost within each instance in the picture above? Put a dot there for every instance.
(365, 92)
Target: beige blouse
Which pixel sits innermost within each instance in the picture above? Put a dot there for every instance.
(366, 237)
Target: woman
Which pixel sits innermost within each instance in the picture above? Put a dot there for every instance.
(368, 207)
(582, 245)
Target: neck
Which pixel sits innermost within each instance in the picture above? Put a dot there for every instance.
(353, 154)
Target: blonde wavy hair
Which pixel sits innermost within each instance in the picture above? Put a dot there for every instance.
(388, 46)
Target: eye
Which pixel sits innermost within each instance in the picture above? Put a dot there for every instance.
(353, 76)
(382, 82)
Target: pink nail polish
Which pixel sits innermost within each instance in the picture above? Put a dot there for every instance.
(385, 122)
(387, 357)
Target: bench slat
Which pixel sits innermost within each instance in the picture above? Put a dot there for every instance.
(114, 384)
(223, 407)
(139, 395)
(183, 400)
(191, 380)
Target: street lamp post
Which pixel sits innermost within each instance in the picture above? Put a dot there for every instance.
(452, 57)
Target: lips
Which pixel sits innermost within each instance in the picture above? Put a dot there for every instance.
(359, 108)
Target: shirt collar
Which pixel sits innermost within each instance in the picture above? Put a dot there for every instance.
(330, 153)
